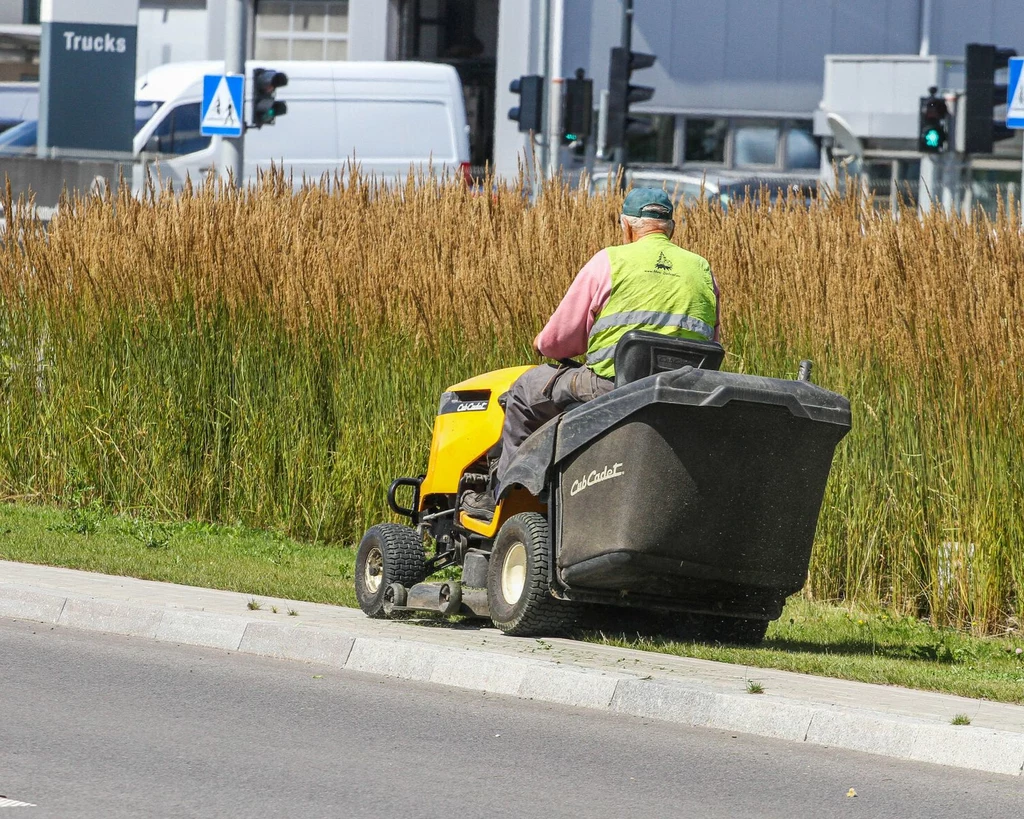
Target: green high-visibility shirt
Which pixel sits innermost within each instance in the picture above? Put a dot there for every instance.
(656, 286)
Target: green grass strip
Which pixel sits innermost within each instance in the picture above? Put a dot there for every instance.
(847, 642)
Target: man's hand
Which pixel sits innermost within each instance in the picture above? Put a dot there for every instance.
(536, 349)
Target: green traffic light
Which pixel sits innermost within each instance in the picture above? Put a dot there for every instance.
(932, 138)
(571, 137)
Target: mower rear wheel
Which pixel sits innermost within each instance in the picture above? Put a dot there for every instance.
(518, 592)
(388, 553)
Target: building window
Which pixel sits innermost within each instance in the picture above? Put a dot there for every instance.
(756, 144)
(657, 147)
(765, 144)
(464, 35)
(301, 30)
(705, 140)
(30, 12)
(803, 149)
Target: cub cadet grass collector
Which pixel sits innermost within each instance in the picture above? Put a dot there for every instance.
(684, 489)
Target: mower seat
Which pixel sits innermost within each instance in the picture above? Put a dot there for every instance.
(641, 353)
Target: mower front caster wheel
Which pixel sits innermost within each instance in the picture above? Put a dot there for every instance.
(518, 590)
(388, 554)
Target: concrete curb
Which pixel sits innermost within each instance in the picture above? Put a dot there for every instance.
(685, 702)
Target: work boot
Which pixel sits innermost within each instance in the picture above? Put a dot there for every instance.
(479, 505)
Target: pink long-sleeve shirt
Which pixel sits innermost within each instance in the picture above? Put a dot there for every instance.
(567, 331)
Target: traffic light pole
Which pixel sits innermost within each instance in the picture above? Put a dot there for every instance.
(554, 88)
(620, 156)
(554, 130)
(541, 155)
(929, 181)
(231, 160)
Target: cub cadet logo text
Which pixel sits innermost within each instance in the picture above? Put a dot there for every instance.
(471, 406)
(101, 42)
(606, 474)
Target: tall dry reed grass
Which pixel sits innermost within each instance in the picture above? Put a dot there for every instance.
(275, 357)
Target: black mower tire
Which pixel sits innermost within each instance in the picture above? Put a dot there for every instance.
(535, 612)
(388, 553)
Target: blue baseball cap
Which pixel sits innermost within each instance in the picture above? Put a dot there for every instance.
(653, 203)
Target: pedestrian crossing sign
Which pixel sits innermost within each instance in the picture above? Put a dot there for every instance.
(222, 112)
(1015, 94)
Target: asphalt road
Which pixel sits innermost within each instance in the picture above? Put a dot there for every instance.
(96, 725)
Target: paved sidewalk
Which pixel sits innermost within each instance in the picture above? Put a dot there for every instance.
(895, 722)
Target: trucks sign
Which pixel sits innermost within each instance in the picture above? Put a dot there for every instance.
(87, 77)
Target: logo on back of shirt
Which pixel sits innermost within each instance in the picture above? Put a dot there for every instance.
(663, 265)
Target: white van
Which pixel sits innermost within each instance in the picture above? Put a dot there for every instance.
(388, 116)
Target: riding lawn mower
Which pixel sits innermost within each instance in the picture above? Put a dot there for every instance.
(684, 490)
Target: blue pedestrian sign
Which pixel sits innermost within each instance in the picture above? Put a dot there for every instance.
(222, 112)
(1015, 94)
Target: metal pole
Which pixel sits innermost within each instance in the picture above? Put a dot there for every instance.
(925, 27)
(545, 70)
(627, 24)
(602, 125)
(621, 155)
(948, 173)
(554, 135)
(894, 187)
(555, 84)
(929, 183)
(231, 150)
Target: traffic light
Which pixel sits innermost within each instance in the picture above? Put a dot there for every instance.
(621, 94)
(984, 94)
(530, 89)
(932, 124)
(577, 108)
(265, 105)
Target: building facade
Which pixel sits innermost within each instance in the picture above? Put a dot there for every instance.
(738, 83)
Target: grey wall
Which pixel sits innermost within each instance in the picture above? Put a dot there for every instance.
(45, 179)
(518, 36)
(958, 22)
(10, 12)
(767, 56)
(368, 29)
(171, 31)
(739, 56)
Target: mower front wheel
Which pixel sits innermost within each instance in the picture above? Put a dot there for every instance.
(388, 553)
(518, 591)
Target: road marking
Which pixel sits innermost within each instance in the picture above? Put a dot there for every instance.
(14, 803)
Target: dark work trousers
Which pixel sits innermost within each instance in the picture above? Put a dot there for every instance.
(537, 396)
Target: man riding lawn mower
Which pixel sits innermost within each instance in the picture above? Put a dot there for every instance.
(646, 479)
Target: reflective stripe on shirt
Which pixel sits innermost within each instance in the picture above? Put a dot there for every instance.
(653, 318)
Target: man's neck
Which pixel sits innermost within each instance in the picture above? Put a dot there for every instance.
(648, 233)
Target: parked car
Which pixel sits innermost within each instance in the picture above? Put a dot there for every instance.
(19, 140)
(727, 187)
(19, 101)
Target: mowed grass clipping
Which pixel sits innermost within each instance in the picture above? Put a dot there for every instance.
(845, 641)
(275, 357)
